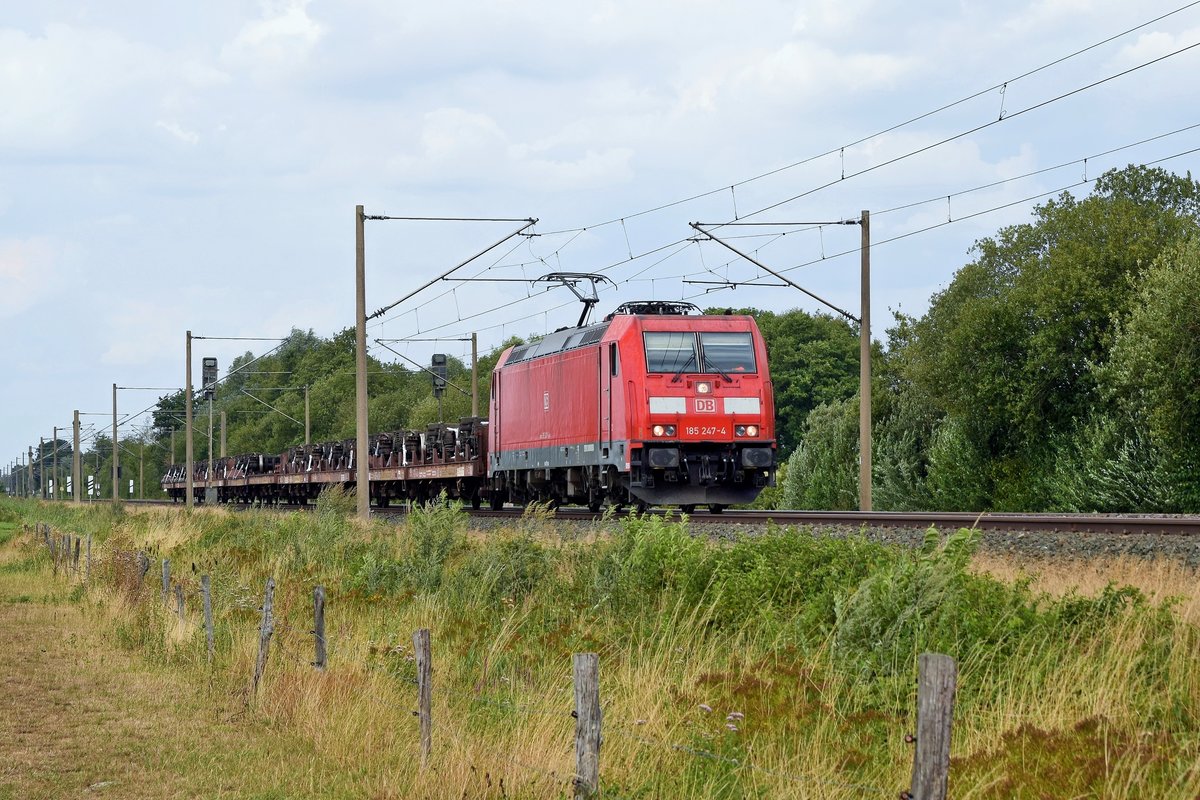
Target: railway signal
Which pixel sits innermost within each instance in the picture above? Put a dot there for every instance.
(438, 369)
(208, 377)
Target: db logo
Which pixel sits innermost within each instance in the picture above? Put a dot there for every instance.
(706, 405)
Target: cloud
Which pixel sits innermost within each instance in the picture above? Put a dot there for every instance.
(60, 87)
(173, 128)
(1045, 14)
(281, 39)
(94, 91)
(1154, 45)
(140, 332)
(456, 144)
(28, 270)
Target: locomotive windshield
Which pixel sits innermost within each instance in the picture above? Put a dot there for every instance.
(670, 351)
(727, 352)
(716, 352)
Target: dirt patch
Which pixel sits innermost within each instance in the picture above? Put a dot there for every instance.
(80, 717)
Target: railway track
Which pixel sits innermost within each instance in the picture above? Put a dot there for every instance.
(1123, 524)
(1115, 524)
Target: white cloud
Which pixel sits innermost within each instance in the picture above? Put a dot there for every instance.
(59, 87)
(141, 331)
(809, 69)
(1155, 44)
(282, 38)
(1045, 14)
(28, 272)
(457, 144)
(173, 128)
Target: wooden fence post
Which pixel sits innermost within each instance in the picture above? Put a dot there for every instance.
(319, 627)
(179, 601)
(936, 683)
(166, 578)
(264, 634)
(206, 596)
(75, 559)
(424, 691)
(143, 568)
(53, 544)
(587, 726)
(87, 573)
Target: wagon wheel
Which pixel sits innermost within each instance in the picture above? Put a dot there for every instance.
(716, 508)
(687, 508)
(496, 500)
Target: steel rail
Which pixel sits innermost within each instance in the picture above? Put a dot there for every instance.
(993, 521)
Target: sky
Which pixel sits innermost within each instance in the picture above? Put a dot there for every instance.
(167, 167)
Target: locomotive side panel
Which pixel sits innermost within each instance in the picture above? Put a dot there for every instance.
(551, 402)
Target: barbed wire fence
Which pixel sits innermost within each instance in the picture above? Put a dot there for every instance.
(72, 555)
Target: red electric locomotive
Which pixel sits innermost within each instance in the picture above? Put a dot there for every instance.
(653, 406)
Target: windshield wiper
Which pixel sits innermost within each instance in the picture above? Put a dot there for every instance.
(683, 369)
(717, 370)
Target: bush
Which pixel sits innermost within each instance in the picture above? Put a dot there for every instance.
(434, 532)
(508, 569)
(823, 471)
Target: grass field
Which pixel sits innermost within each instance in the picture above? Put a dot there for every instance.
(778, 666)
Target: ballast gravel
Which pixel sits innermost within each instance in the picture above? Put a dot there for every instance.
(1021, 544)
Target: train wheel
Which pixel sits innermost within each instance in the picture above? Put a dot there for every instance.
(476, 501)
(689, 508)
(594, 506)
(716, 508)
(641, 506)
(496, 501)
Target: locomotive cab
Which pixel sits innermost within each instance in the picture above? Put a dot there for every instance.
(703, 427)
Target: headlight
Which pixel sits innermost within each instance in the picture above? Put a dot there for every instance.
(703, 387)
(752, 430)
(739, 430)
(663, 430)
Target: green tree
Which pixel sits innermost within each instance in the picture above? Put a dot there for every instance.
(1008, 349)
(813, 359)
(1153, 373)
(823, 471)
